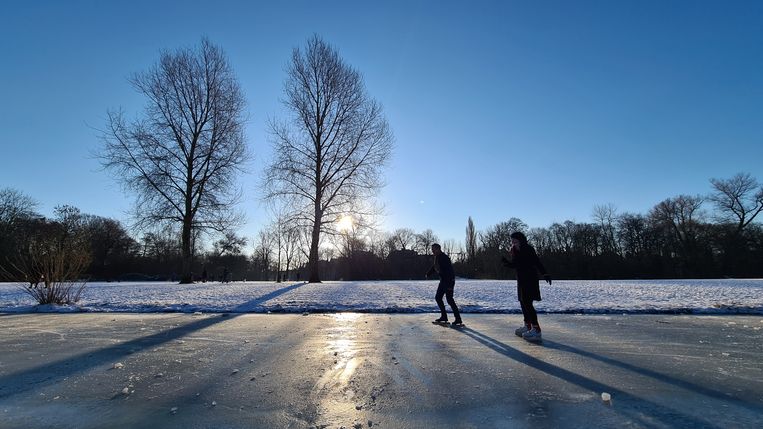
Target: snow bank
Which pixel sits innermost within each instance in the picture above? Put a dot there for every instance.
(473, 296)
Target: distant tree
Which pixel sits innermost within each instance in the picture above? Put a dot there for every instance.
(738, 199)
(498, 237)
(562, 235)
(680, 215)
(262, 255)
(229, 244)
(424, 241)
(541, 239)
(15, 205)
(110, 246)
(182, 156)
(633, 231)
(286, 239)
(327, 160)
(402, 239)
(605, 217)
(471, 240)
(449, 247)
(17, 210)
(162, 244)
(377, 245)
(679, 219)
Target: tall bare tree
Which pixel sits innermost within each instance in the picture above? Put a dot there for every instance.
(328, 158)
(181, 156)
(606, 217)
(739, 199)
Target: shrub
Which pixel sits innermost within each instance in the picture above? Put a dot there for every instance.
(51, 258)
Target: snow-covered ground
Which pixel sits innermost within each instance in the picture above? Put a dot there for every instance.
(473, 296)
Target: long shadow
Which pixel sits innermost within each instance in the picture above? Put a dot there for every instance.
(249, 305)
(640, 408)
(49, 373)
(654, 374)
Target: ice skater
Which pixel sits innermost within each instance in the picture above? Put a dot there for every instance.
(444, 267)
(525, 260)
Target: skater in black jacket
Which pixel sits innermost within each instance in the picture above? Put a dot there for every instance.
(443, 266)
(525, 260)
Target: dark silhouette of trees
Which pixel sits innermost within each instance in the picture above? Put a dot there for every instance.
(675, 239)
(328, 157)
(180, 158)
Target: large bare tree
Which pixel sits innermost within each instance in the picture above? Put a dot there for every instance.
(328, 157)
(739, 199)
(181, 156)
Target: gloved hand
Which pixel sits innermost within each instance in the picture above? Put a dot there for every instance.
(547, 278)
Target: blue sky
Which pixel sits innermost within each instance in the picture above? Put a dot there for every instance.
(535, 110)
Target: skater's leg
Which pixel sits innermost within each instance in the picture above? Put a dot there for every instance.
(452, 302)
(531, 316)
(438, 298)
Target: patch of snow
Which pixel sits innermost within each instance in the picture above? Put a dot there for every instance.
(725, 296)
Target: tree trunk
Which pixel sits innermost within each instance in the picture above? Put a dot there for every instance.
(314, 275)
(185, 275)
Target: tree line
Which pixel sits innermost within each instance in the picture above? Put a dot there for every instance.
(709, 236)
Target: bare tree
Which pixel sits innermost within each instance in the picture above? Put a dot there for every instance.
(402, 239)
(681, 216)
(498, 237)
(739, 199)
(181, 157)
(328, 158)
(449, 247)
(15, 205)
(424, 241)
(16, 210)
(262, 254)
(286, 239)
(229, 244)
(606, 218)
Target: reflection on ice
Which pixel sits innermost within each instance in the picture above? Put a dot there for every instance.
(341, 341)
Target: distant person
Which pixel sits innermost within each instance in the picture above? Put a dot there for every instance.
(525, 260)
(444, 267)
(204, 275)
(226, 273)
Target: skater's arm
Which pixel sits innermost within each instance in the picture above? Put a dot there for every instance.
(430, 272)
(432, 269)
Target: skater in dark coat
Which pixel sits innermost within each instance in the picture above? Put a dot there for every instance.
(525, 260)
(444, 267)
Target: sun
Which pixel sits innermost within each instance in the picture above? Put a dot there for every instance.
(345, 224)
